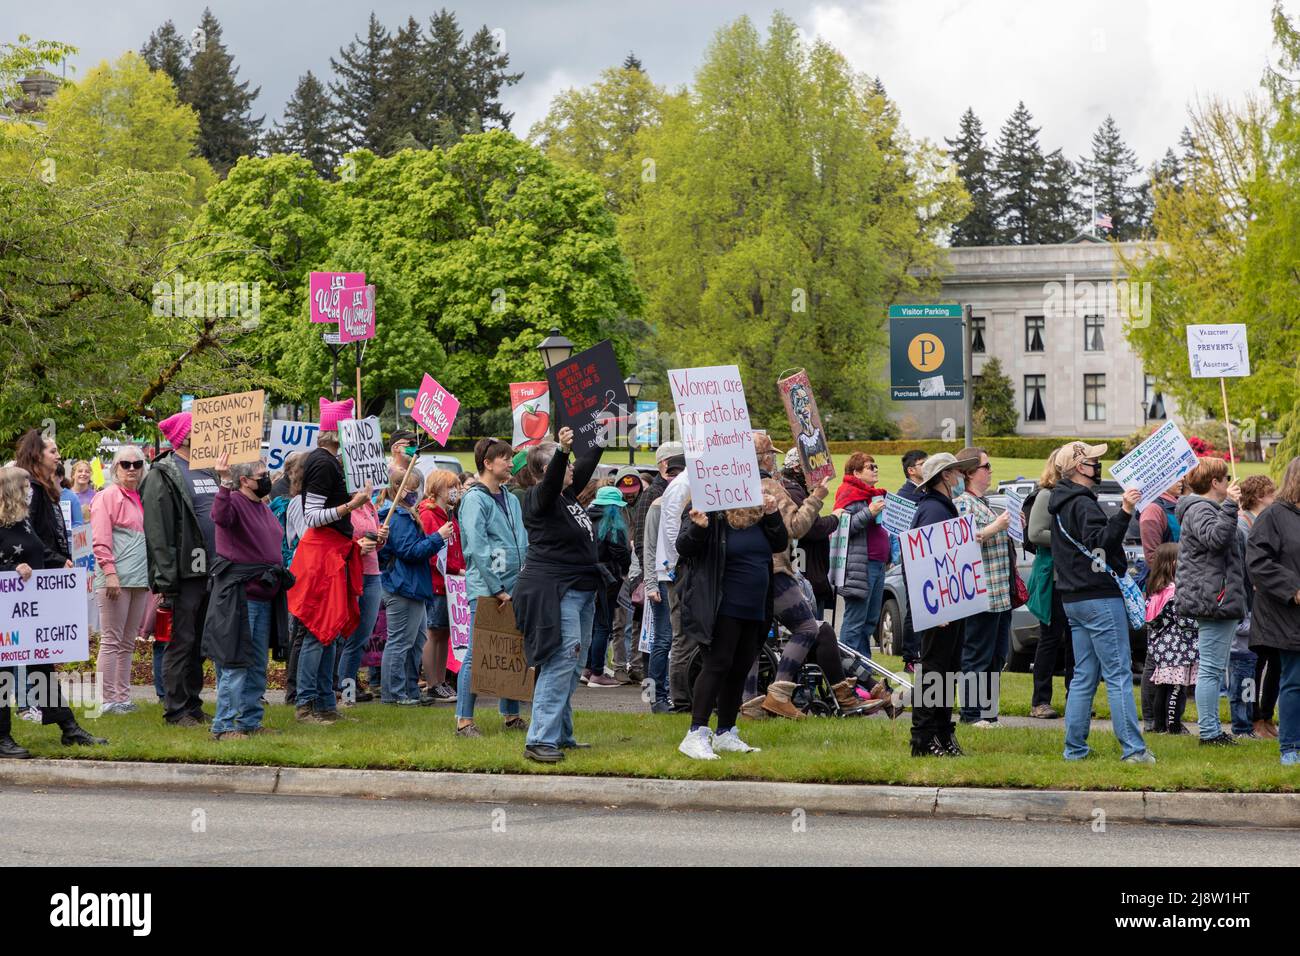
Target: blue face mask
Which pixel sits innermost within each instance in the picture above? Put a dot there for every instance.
(959, 488)
(410, 499)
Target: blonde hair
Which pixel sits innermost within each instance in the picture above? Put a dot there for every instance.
(14, 484)
(439, 481)
(1051, 474)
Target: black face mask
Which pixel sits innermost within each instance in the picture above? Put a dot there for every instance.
(263, 486)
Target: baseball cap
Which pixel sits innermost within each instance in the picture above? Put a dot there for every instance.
(1071, 456)
(791, 459)
(628, 479)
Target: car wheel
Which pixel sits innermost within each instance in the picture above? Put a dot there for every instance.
(889, 631)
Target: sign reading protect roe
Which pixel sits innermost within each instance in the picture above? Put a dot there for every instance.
(721, 465)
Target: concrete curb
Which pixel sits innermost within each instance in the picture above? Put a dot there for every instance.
(1058, 806)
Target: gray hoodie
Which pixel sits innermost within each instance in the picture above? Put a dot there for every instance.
(1211, 575)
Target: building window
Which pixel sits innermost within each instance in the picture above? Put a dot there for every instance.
(1094, 398)
(1035, 398)
(977, 333)
(1033, 333)
(1153, 401)
(1092, 338)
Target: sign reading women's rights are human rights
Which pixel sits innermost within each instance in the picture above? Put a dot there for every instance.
(721, 464)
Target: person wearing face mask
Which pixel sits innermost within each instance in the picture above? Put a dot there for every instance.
(1093, 602)
(247, 609)
(442, 494)
(408, 586)
(933, 732)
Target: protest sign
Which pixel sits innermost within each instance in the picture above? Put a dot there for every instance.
(362, 444)
(43, 620)
(1218, 351)
(647, 629)
(357, 316)
(840, 551)
(806, 427)
(458, 614)
(1155, 464)
(530, 407)
(898, 515)
(1015, 517)
(227, 423)
(325, 292)
(647, 424)
(721, 464)
(435, 409)
(82, 543)
(945, 572)
(589, 396)
(499, 665)
(288, 437)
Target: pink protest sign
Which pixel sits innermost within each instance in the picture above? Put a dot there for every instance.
(435, 409)
(326, 292)
(357, 318)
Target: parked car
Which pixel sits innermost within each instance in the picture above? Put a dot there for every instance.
(445, 462)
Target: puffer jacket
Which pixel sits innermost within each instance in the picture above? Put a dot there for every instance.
(1273, 550)
(865, 534)
(797, 518)
(1211, 575)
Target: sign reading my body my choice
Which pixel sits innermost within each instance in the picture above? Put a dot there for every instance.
(945, 572)
(589, 396)
(721, 465)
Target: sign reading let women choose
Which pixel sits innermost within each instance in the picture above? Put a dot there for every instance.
(945, 572)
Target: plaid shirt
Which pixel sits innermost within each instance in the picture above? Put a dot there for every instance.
(997, 556)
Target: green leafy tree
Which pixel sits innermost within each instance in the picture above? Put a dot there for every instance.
(1018, 176)
(1112, 170)
(227, 128)
(361, 85)
(311, 126)
(973, 164)
(995, 402)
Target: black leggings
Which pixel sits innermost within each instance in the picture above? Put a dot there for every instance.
(726, 662)
(1168, 712)
(1268, 681)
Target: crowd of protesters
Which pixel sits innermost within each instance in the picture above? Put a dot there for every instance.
(620, 580)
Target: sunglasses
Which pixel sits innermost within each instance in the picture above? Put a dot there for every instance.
(132, 465)
(989, 466)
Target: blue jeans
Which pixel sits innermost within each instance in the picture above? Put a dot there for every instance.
(1243, 711)
(159, 649)
(240, 689)
(465, 696)
(1214, 644)
(601, 631)
(405, 628)
(862, 614)
(557, 675)
(983, 655)
(1099, 632)
(1288, 703)
(353, 647)
(316, 673)
(661, 641)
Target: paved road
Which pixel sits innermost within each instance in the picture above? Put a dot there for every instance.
(68, 827)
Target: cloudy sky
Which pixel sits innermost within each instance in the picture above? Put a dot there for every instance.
(1072, 63)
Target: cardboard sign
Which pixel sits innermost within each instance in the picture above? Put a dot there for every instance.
(945, 572)
(435, 409)
(1155, 464)
(499, 665)
(44, 620)
(647, 424)
(227, 423)
(721, 464)
(288, 437)
(840, 551)
(1218, 351)
(1015, 517)
(362, 444)
(589, 397)
(898, 515)
(458, 614)
(806, 426)
(530, 406)
(325, 291)
(357, 317)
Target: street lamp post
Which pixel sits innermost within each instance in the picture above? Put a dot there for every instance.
(633, 386)
(555, 349)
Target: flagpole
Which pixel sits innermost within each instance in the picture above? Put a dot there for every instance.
(1092, 188)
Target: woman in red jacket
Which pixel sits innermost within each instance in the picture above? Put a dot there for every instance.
(442, 494)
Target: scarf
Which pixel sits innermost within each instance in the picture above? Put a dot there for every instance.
(853, 489)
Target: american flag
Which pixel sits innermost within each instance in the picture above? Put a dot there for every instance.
(1103, 220)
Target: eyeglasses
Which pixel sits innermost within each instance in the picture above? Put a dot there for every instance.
(872, 465)
(132, 465)
(987, 465)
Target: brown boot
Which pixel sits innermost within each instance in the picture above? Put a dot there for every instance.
(778, 700)
(1264, 728)
(306, 714)
(890, 699)
(850, 703)
(752, 709)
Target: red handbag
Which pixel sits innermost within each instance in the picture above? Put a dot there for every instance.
(1019, 593)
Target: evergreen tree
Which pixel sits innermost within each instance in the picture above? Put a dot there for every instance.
(485, 71)
(630, 62)
(402, 104)
(1111, 170)
(227, 129)
(167, 51)
(310, 127)
(1017, 176)
(995, 402)
(1056, 215)
(972, 160)
(444, 68)
(360, 87)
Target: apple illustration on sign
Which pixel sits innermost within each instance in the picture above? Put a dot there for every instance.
(534, 423)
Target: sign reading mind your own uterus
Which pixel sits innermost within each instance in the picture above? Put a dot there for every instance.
(721, 464)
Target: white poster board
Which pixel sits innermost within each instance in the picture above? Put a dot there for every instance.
(647, 629)
(944, 566)
(286, 438)
(1015, 517)
(1155, 464)
(898, 515)
(362, 443)
(840, 551)
(721, 465)
(43, 620)
(458, 614)
(1218, 351)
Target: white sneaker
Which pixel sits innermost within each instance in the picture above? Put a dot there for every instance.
(696, 745)
(986, 724)
(32, 714)
(729, 742)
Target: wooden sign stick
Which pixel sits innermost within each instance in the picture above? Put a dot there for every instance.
(1232, 455)
(401, 490)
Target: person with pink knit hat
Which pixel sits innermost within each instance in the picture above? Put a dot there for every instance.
(181, 543)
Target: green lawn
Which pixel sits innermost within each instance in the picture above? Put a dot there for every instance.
(644, 745)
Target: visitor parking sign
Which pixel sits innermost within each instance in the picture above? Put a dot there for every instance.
(925, 352)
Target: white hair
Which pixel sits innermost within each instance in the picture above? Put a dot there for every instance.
(124, 453)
